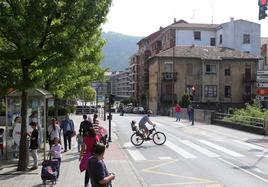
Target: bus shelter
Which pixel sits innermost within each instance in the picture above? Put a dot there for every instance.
(36, 111)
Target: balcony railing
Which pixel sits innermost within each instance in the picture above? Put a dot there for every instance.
(169, 76)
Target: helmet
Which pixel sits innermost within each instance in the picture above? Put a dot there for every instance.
(149, 112)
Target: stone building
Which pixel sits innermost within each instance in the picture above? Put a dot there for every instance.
(221, 77)
(239, 35)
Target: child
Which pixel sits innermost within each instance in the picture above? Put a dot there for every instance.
(34, 144)
(56, 152)
(79, 140)
(2, 141)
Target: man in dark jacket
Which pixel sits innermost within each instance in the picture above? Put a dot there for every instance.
(84, 126)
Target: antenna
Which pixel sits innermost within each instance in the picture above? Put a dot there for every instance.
(193, 15)
(212, 10)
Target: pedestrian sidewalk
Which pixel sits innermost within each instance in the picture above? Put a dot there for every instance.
(70, 175)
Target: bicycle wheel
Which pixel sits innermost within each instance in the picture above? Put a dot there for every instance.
(159, 138)
(136, 139)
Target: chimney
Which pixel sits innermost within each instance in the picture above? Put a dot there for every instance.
(231, 19)
(174, 20)
(160, 28)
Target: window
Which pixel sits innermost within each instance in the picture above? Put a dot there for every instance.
(227, 72)
(210, 91)
(210, 69)
(220, 38)
(168, 66)
(227, 91)
(197, 35)
(212, 41)
(246, 39)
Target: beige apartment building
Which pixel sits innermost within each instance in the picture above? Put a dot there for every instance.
(221, 77)
(134, 79)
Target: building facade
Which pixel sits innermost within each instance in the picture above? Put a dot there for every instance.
(238, 35)
(120, 84)
(221, 77)
(134, 69)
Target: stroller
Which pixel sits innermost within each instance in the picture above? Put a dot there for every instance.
(50, 171)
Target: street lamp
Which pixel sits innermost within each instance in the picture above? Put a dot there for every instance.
(192, 107)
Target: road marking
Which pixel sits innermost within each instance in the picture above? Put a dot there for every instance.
(220, 148)
(179, 150)
(134, 153)
(165, 158)
(193, 180)
(199, 149)
(244, 170)
(250, 145)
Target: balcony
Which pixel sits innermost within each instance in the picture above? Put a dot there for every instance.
(169, 76)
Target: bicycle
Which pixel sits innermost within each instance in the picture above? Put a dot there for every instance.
(138, 137)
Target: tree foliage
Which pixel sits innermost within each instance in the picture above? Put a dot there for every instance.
(185, 101)
(49, 43)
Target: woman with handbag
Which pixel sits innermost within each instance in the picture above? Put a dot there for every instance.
(53, 131)
(86, 151)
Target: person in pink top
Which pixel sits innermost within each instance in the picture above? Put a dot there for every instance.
(86, 151)
(178, 111)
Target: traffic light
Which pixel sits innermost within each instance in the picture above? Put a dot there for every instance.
(111, 99)
(262, 9)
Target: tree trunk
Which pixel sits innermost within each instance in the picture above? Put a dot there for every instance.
(24, 149)
(23, 154)
(56, 104)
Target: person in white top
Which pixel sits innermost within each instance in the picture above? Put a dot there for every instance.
(53, 131)
(56, 152)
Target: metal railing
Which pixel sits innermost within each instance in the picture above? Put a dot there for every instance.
(241, 120)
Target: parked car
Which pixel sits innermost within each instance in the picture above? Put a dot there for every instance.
(141, 110)
(136, 110)
(128, 109)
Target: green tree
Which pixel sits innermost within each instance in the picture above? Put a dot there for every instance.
(87, 94)
(185, 101)
(38, 36)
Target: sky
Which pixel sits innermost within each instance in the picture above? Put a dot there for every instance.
(143, 17)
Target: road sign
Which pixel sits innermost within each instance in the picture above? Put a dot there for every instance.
(262, 91)
(262, 72)
(262, 98)
(262, 85)
(262, 78)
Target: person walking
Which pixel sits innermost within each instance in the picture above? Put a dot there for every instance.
(67, 126)
(99, 175)
(53, 131)
(84, 126)
(86, 151)
(2, 143)
(178, 111)
(34, 144)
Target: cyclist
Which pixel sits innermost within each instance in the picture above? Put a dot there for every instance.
(142, 123)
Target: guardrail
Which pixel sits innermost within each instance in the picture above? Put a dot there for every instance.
(239, 120)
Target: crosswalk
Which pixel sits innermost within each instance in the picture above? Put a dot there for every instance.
(188, 149)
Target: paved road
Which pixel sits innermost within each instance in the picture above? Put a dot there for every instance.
(196, 156)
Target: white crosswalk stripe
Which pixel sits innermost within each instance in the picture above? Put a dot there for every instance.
(251, 145)
(200, 149)
(220, 148)
(187, 148)
(134, 153)
(179, 150)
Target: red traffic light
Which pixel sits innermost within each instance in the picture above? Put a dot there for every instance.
(263, 2)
